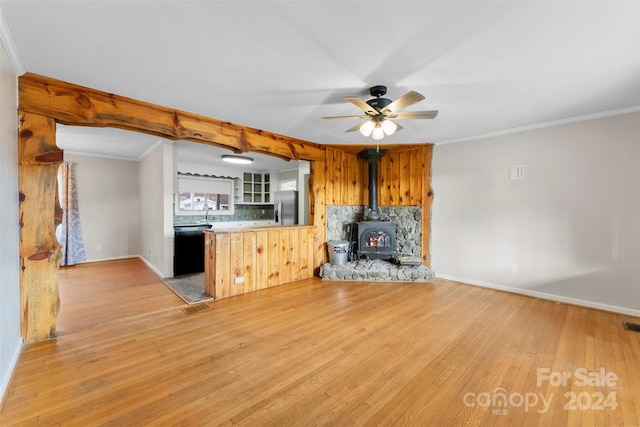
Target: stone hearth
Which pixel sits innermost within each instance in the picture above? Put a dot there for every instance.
(376, 269)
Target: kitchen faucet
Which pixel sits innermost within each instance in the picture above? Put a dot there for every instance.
(205, 208)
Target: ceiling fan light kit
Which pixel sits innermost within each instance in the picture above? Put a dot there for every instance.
(367, 127)
(389, 127)
(377, 133)
(379, 112)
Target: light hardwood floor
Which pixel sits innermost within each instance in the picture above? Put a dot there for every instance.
(333, 353)
(93, 294)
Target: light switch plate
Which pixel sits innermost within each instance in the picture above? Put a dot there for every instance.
(516, 172)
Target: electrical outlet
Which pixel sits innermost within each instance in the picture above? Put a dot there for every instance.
(149, 251)
(239, 280)
(514, 268)
(99, 247)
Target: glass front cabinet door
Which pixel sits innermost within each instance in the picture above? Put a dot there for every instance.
(256, 188)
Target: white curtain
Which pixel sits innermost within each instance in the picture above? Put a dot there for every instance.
(69, 233)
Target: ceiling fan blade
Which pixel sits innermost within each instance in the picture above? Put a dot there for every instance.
(345, 117)
(361, 105)
(414, 115)
(403, 102)
(356, 127)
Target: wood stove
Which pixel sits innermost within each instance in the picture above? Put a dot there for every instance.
(377, 239)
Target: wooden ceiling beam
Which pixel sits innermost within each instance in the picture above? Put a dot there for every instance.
(71, 104)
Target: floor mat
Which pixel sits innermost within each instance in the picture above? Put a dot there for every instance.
(189, 287)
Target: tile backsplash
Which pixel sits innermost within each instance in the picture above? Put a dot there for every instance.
(240, 213)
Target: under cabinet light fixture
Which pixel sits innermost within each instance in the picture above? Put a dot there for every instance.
(237, 159)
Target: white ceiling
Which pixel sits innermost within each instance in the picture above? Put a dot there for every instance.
(487, 66)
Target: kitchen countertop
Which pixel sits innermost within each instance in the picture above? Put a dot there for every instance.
(226, 224)
(215, 230)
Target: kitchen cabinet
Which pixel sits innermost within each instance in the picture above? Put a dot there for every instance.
(256, 187)
(237, 191)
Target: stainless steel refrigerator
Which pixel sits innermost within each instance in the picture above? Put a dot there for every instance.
(286, 207)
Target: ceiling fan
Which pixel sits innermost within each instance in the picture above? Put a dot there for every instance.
(381, 113)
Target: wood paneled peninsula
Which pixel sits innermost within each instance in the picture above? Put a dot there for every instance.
(248, 259)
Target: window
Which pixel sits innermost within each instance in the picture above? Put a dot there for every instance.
(204, 195)
(203, 201)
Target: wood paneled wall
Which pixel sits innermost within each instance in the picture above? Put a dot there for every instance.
(347, 176)
(404, 175)
(261, 257)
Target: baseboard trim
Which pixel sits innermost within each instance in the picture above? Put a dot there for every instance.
(6, 380)
(116, 258)
(543, 295)
(151, 266)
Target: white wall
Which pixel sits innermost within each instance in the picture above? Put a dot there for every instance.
(109, 201)
(572, 225)
(126, 207)
(10, 340)
(156, 201)
(304, 169)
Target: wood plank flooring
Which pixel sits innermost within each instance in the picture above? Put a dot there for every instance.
(336, 353)
(92, 294)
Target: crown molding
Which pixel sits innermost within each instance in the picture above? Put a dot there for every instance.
(153, 146)
(585, 117)
(99, 155)
(10, 47)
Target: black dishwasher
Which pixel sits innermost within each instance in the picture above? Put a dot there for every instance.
(188, 251)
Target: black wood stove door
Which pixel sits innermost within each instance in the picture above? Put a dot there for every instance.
(377, 239)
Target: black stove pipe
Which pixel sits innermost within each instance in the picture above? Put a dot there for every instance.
(373, 155)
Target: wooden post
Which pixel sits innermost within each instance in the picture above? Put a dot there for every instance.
(38, 161)
(427, 200)
(317, 213)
